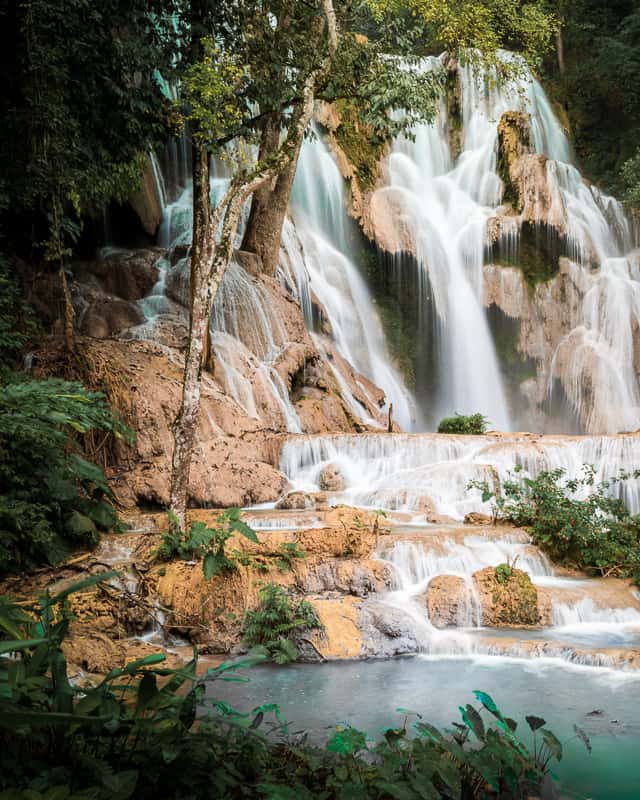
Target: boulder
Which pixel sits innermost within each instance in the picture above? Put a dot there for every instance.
(108, 316)
(295, 501)
(476, 518)
(127, 274)
(508, 598)
(386, 631)
(331, 479)
(450, 602)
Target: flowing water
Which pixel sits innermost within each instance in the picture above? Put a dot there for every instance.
(412, 472)
(324, 266)
(443, 203)
(444, 207)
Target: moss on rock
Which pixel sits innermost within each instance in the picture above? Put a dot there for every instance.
(507, 596)
(361, 145)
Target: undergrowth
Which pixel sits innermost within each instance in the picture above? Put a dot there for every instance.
(577, 521)
(148, 731)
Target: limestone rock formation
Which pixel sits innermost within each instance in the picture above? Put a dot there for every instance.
(331, 479)
(449, 600)
(295, 501)
(508, 598)
(147, 200)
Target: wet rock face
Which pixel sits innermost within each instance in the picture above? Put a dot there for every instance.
(508, 598)
(232, 461)
(386, 631)
(514, 141)
(449, 602)
(331, 479)
(334, 574)
(295, 501)
(127, 274)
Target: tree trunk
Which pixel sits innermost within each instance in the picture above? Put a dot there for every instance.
(69, 312)
(560, 51)
(210, 258)
(186, 422)
(269, 204)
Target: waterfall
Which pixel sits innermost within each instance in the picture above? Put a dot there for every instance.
(324, 265)
(442, 205)
(431, 472)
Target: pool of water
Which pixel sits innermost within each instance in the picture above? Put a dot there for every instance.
(366, 694)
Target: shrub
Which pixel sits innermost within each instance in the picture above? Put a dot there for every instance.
(288, 553)
(459, 423)
(576, 521)
(146, 731)
(276, 621)
(51, 498)
(206, 543)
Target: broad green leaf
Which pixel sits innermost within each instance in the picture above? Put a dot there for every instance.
(16, 645)
(211, 565)
(553, 743)
(81, 586)
(346, 741)
(473, 721)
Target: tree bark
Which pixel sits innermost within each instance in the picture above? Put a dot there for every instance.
(186, 422)
(69, 312)
(560, 51)
(269, 205)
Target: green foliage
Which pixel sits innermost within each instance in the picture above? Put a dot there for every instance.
(471, 424)
(81, 108)
(147, 731)
(631, 179)
(51, 498)
(206, 543)
(289, 552)
(477, 29)
(17, 324)
(210, 89)
(576, 521)
(276, 621)
(598, 91)
(503, 573)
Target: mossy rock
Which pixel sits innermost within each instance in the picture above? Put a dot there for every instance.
(363, 148)
(508, 597)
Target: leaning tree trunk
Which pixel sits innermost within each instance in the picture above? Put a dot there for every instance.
(186, 422)
(269, 204)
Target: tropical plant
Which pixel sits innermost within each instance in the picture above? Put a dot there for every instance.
(576, 520)
(52, 499)
(276, 622)
(288, 553)
(146, 730)
(206, 543)
(459, 423)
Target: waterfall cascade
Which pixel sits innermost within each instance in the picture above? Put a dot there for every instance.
(416, 473)
(450, 211)
(583, 613)
(324, 266)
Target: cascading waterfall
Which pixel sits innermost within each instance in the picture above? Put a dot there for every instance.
(419, 472)
(415, 564)
(322, 263)
(443, 207)
(595, 361)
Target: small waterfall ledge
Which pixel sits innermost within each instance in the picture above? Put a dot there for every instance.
(427, 474)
